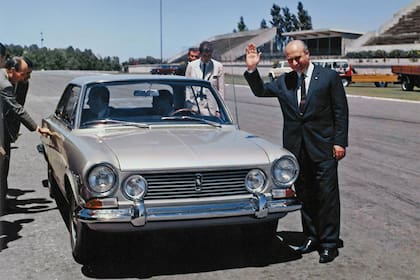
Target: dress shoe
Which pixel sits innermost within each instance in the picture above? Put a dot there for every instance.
(307, 247)
(327, 255)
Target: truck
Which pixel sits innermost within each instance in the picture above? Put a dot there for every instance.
(408, 75)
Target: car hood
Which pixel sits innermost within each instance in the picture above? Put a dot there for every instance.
(180, 148)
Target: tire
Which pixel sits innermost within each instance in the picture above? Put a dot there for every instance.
(406, 85)
(81, 237)
(345, 82)
(381, 84)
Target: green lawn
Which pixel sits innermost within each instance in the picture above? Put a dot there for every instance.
(362, 89)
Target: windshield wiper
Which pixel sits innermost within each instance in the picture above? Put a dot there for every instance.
(116, 122)
(187, 118)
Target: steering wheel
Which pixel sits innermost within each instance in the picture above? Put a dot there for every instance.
(184, 112)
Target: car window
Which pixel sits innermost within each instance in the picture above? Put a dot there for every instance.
(150, 102)
(66, 108)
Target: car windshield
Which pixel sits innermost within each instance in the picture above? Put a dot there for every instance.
(152, 102)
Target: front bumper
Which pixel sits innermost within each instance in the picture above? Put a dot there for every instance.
(138, 215)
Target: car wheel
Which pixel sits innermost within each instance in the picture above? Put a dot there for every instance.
(80, 237)
(406, 85)
(381, 84)
(345, 82)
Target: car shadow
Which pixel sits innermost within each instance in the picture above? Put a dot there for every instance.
(188, 251)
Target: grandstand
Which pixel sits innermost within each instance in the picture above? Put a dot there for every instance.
(401, 32)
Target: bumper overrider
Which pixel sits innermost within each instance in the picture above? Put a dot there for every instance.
(258, 207)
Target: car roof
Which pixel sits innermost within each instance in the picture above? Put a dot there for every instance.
(104, 78)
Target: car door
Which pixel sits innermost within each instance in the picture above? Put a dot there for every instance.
(61, 125)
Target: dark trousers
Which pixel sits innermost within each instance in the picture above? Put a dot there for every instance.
(317, 189)
(5, 166)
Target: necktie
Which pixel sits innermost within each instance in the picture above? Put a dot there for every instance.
(204, 71)
(302, 93)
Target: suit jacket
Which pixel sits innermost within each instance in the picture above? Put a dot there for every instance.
(215, 74)
(12, 110)
(324, 121)
(21, 90)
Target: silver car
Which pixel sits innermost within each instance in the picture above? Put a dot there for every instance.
(143, 152)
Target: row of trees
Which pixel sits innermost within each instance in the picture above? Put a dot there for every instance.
(69, 59)
(285, 21)
(75, 59)
(413, 54)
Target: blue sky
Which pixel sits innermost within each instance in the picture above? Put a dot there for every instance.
(131, 28)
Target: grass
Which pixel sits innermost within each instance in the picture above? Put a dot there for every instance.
(361, 89)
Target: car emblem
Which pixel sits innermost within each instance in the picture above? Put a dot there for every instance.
(198, 182)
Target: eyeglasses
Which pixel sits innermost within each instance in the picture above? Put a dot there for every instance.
(291, 59)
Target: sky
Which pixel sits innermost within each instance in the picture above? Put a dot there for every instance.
(131, 28)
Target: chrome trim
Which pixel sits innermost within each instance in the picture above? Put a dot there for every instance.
(259, 207)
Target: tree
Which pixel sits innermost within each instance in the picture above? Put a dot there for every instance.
(276, 21)
(263, 24)
(59, 59)
(242, 25)
(305, 20)
(285, 21)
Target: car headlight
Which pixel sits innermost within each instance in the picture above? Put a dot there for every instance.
(285, 171)
(102, 178)
(135, 187)
(255, 181)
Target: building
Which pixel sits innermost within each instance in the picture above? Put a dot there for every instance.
(401, 32)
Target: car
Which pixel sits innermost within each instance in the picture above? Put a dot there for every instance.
(164, 69)
(341, 66)
(280, 68)
(130, 153)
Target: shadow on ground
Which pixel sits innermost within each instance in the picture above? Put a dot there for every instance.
(193, 251)
(9, 230)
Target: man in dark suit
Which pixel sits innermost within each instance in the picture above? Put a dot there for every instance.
(17, 69)
(315, 113)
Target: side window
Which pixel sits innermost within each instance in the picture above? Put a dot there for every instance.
(67, 105)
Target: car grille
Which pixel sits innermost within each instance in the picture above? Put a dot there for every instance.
(196, 184)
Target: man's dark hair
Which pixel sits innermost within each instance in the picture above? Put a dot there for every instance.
(16, 62)
(193, 49)
(28, 62)
(205, 46)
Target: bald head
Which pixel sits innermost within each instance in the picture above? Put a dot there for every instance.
(297, 54)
